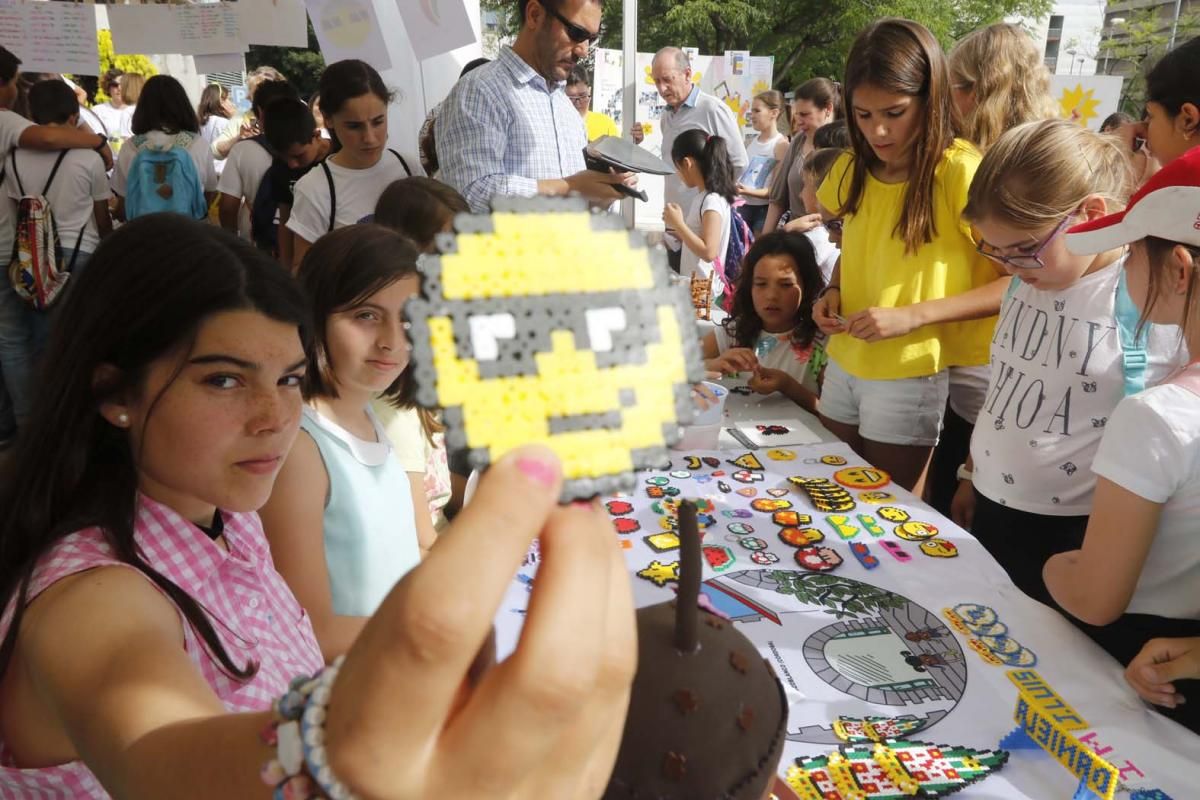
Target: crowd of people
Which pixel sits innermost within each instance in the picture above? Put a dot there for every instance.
(232, 549)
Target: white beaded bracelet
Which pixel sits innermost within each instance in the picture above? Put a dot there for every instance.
(312, 735)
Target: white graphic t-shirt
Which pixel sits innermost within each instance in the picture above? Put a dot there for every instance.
(1057, 375)
(1151, 447)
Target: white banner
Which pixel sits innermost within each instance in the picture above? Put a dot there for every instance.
(349, 29)
(436, 26)
(51, 37)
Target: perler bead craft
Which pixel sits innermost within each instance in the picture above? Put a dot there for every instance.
(543, 323)
(891, 770)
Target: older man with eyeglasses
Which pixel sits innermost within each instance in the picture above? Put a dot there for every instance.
(508, 128)
(688, 108)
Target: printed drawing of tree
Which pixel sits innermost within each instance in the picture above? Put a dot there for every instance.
(841, 597)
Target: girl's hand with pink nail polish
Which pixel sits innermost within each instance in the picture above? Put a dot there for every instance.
(404, 721)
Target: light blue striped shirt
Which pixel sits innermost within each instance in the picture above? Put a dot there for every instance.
(503, 128)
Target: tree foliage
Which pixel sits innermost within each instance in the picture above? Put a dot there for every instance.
(808, 38)
(141, 65)
(1135, 47)
(301, 66)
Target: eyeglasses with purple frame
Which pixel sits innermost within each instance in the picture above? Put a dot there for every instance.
(1034, 259)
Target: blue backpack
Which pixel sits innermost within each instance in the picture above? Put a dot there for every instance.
(164, 180)
(1133, 346)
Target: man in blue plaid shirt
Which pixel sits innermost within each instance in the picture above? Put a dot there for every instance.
(508, 128)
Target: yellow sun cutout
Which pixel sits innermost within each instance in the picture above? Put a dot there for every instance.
(1079, 105)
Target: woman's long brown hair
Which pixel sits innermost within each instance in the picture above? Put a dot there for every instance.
(902, 57)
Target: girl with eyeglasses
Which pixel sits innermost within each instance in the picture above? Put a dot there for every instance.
(1066, 349)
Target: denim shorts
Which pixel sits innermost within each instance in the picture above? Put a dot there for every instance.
(905, 411)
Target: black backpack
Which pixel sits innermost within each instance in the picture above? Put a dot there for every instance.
(333, 191)
(263, 230)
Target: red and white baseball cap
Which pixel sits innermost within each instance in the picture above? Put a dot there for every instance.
(1167, 207)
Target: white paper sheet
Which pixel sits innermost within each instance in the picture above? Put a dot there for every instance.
(220, 62)
(202, 29)
(279, 23)
(874, 640)
(349, 29)
(208, 28)
(797, 433)
(436, 26)
(51, 37)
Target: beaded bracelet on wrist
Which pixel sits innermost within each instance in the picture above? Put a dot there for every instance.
(300, 769)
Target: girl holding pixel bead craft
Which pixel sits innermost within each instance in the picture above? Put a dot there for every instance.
(771, 333)
(1139, 564)
(145, 631)
(343, 518)
(1066, 350)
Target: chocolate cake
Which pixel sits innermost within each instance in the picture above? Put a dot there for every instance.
(707, 715)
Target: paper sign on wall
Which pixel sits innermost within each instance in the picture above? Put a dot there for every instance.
(220, 62)
(278, 23)
(51, 37)
(349, 29)
(208, 28)
(204, 29)
(436, 26)
(1086, 99)
(140, 29)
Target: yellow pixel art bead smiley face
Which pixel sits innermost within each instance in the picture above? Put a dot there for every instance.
(544, 323)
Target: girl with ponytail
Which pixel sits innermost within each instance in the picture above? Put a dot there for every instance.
(703, 163)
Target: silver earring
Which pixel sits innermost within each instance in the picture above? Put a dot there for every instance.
(123, 419)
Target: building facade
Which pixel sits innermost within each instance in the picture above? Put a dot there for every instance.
(1138, 29)
(1070, 36)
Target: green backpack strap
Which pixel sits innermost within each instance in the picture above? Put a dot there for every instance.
(1133, 345)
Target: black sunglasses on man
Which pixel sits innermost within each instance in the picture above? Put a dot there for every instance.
(576, 33)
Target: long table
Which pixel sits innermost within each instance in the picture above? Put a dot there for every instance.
(906, 640)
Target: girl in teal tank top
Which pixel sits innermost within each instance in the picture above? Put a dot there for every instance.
(342, 519)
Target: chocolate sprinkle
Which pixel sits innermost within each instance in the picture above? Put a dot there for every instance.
(674, 766)
(713, 622)
(738, 661)
(686, 701)
(745, 718)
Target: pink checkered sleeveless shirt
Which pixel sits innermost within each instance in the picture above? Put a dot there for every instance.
(254, 613)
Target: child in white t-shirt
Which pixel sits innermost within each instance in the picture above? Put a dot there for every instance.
(766, 152)
(74, 182)
(703, 163)
(247, 163)
(771, 332)
(1064, 351)
(165, 117)
(1138, 571)
(344, 190)
(17, 357)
